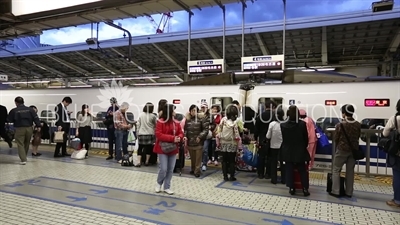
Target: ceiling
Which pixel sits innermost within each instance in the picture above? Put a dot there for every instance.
(12, 27)
(163, 60)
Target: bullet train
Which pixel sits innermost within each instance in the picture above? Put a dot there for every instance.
(374, 103)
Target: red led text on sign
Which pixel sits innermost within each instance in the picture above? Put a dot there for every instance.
(176, 101)
(330, 102)
(376, 102)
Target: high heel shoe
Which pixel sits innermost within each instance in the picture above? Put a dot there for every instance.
(306, 193)
(292, 191)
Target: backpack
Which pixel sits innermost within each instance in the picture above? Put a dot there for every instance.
(127, 160)
(228, 133)
(391, 144)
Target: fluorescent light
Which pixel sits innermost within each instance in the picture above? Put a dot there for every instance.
(156, 84)
(308, 70)
(78, 86)
(124, 78)
(326, 69)
(28, 82)
(276, 71)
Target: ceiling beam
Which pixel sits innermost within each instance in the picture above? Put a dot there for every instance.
(167, 55)
(394, 45)
(178, 78)
(324, 47)
(99, 63)
(210, 50)
(19, 68)
(69, 65)
(263, 46)
(45, 67)
(134, 62)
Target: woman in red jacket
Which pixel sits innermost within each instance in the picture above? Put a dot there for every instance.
(168, 135)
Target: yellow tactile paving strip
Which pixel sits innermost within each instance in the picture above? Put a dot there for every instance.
(374, 180)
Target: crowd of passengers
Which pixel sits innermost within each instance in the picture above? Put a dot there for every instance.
(288, 139)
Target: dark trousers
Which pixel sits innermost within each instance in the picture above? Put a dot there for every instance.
(4, 135)
(144, 150)
(87, 147)
(228, 163)
(262, 168)
(211, 151)
(111, 140)
(273, 164)
(301, 168)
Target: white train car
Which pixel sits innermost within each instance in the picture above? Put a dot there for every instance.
(374, 102)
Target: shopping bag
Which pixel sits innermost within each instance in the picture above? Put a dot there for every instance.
(59, 136)
(136, 146)
(250, 156)
(131, 137)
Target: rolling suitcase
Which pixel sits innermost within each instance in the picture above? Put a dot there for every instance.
(297, 179)
(329, 184)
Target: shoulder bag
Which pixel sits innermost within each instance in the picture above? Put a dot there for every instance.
(358, 154)
(168, 147)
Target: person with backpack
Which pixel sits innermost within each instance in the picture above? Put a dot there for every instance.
(229, 142)
(393, 124)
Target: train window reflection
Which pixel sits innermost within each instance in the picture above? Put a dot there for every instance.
(222, 101)
(261, 102)
(327, 122)
(179, 116)
(372, 123)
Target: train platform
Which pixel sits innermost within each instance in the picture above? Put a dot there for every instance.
(51, 190)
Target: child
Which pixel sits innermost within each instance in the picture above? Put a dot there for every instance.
(229, 142)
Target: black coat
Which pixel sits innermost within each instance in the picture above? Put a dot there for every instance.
(294, 142)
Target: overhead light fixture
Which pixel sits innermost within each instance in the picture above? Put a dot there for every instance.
(383, 5)
(28, 82)
(124, 78)
(309, 70)
(276, 71)
(78, 86)
(326, 69)
(156, 84)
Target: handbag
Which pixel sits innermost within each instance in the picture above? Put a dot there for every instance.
(358, 154)
(59, 137)
(168, 147)
(391, 144)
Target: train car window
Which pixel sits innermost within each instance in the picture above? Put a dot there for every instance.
(222, 101)
(327, 122)
(372, 123)
(179, 116)
(261, 102)
(47, 114)
(100, 116)
(130, 117)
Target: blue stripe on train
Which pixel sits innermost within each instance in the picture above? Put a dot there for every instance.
(359, 162)
(374, 151)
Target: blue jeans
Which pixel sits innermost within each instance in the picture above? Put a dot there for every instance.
(166, 168)
(121, 143)
(396, 184)
(206, 145)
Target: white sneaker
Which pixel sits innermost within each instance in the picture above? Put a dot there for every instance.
(168, 191)
(22, 163)
(204, 168)
(158, 188)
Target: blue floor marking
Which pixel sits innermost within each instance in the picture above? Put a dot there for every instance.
(85, 207)
(170, 197)
(108, 164)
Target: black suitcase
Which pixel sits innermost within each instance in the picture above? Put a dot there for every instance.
(180, 163)
(329, 184)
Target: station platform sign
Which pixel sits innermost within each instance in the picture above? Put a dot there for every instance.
(206, 66)
(263, 63)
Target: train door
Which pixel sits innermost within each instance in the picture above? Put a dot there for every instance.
(223, 102)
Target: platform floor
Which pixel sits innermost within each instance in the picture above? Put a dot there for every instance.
(96, 191)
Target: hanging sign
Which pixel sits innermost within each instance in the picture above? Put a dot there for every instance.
(206, 66)
(263, 63)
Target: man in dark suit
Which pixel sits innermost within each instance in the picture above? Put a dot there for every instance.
(63, 123)
(3, 120)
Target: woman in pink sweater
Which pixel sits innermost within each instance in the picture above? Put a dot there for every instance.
(312, 136)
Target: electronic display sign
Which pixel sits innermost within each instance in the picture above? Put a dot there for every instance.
(263, 63)
(375, 102)
(330, 102)
(206, 66)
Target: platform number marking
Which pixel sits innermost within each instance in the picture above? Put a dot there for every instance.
(166, 205)
(154, 211)
(292, 102)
